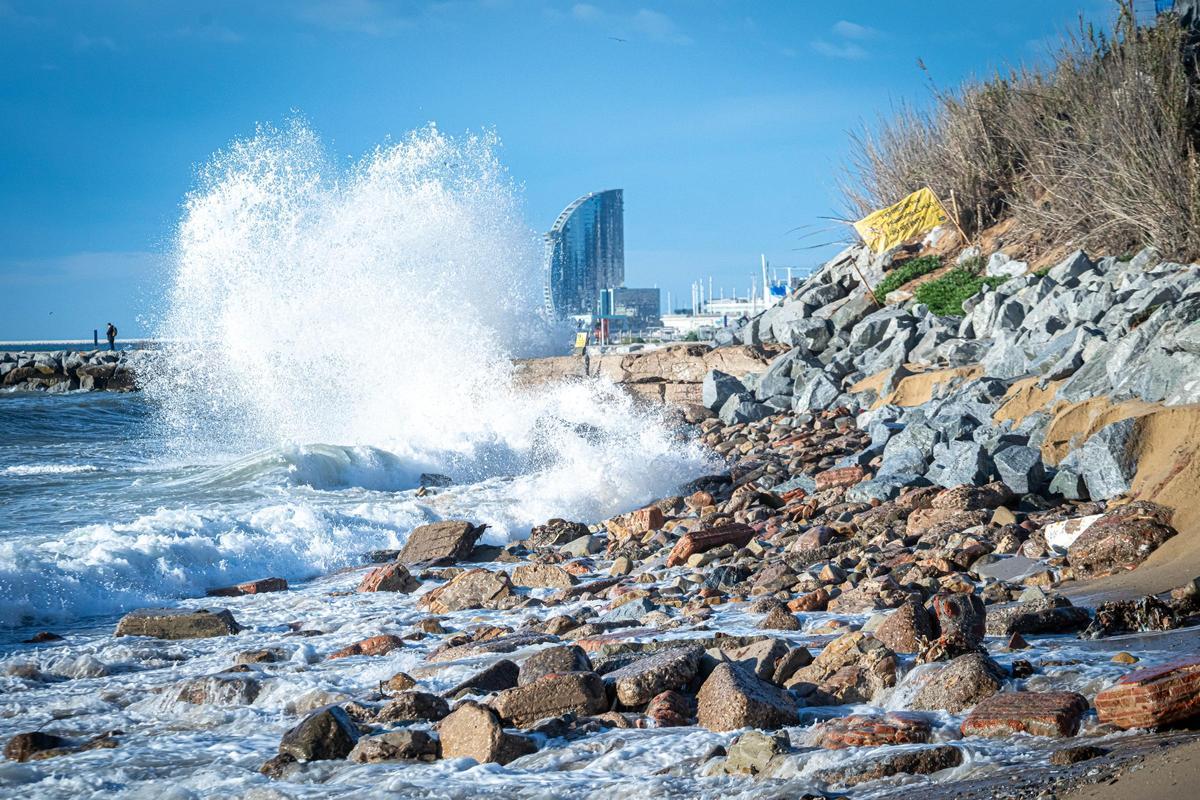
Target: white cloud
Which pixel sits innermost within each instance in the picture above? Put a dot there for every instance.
(85, 42)
(369, 17)
(846, 50)
(852, 30)
(646, 24)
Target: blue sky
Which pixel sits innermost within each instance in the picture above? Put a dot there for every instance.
(724, 122)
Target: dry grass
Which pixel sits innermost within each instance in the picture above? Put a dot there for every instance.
(1099, 149)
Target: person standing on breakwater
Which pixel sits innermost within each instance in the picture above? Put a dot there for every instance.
(111, 333)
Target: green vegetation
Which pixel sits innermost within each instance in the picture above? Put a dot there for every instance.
(908, 271)
(945, 295)
(692, 337)
(1099, 147)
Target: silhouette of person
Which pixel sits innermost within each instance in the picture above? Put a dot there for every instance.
(111, 333)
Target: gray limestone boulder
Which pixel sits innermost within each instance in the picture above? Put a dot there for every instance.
(1020, 468)
(742, 407)
(717, 388)
(817, 393)
(1108, 461)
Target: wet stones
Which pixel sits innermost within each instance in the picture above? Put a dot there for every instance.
(443, 542)
(1053, 614)
(733, 698)
(552, 695)
(671, 710)
(737, 534)
(637, 683)
(556, 532)
(959, 684)
(906, 627)
(1153, 696)
(851, 669)
(502, 675)
(413, 706)
(372, 646)
(1120, 540)
(28, 746)
(755, 753)
(476, 588)
(563, 658)
(474, 731)
(327, 733)
(923, 761)
(389, 578)
(961, 617)
(409, 745)
(871, 730)
(780, 619)
(250, 587)
(1054, 714)
(542, 576)
(224, 689)
(177, 623)
(1126, 616)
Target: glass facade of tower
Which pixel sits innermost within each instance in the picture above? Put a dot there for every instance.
(585, 253)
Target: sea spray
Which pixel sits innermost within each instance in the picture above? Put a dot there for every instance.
(333, 332)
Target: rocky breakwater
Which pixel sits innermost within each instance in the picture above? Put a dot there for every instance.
(71, 370)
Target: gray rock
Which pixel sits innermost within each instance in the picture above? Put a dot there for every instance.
(177, 623)
(717, 388)
(883, 487)
(1020, 468)
(561, 658)
(327, 733)
(1108, 460)
(816, 394)
(960, 684)
(963, 462)
(1068, 271)
(742, 407)
(1069, 484)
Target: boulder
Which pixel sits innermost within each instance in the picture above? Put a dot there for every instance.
(637, 683)
(872, 730)
(1153, 696)
(752, 753)
(232, 688)
(476, 588)
(780, 619)
(921, 761)
(389, 578)
(961, 617)
(905, 627)
(1120, 540)
(1036, 713)
(552, 695)
(259, 586)
(556, 532)
(410, 745)
(760, 658)
(177, 623)
(742, 407)
(1130, 616)
(733, 698)
(372, 646)
(671, 710)
(561, 658)
(327, 733)
(851, 669)
(27, 746)
(1049, 615)
(542, 576)
(1108, 460)
(1020, 469)
(502, 675)
(717, 388)
(474, 731)
(446, 541)
(737, 534)
(413, 706)
(959, 684)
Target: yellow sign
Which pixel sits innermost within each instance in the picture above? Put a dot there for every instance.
(581, 340)
(912, 216)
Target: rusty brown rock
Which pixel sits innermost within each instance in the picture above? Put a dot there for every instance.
(671, 710)
(542, 576)
(1153, 696)
(637, 683)
(734, 698)
(1036, 713)
(372, 646)
(839, 478)
(177, 623)
(562, 658)
(923, 761)
(905, 627)
(817, 600)
(871, 730)
(973, 498)
(780, 619)
(959, 684)
(447, 541)
(259, 586)
(737, 534)
(474, 731)
(27, 746)
(476, 588)
(1120, 540)
(389, 578)
(851, 669)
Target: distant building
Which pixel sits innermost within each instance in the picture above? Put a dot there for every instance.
(585, 253)
(639, 308)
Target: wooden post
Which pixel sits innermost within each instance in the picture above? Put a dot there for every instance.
(954, 219)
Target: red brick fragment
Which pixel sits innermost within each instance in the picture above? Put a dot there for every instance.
(1153, 696)
(1036, 713)
(699, 541)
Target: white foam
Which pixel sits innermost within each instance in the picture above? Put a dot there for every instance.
(47, 469)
